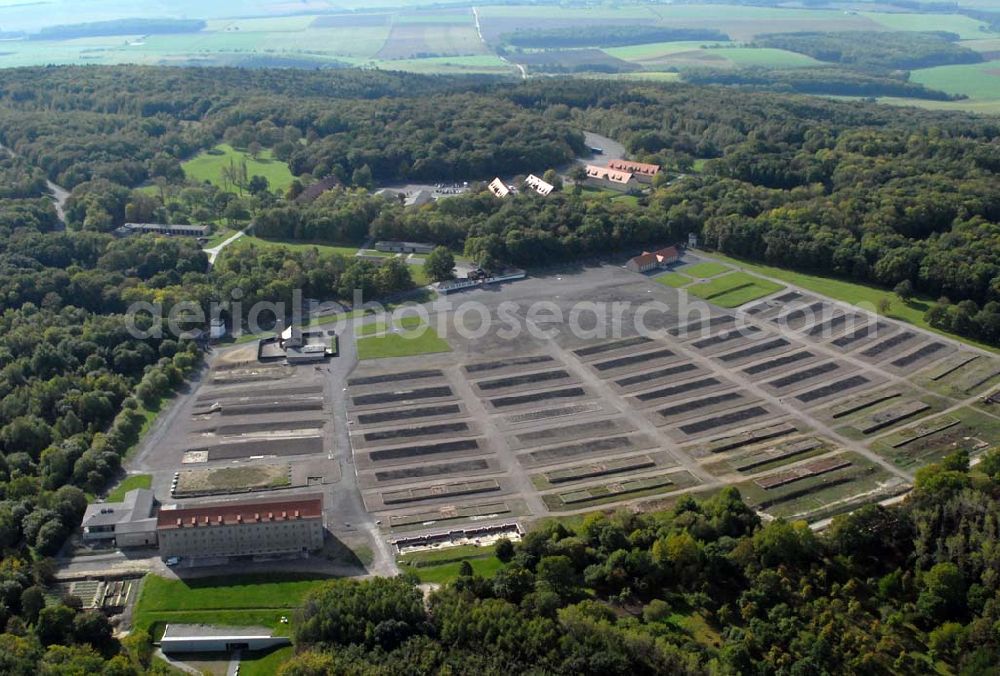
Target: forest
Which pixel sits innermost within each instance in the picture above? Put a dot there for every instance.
(877, 52)
(604, 36)
(704, 587)
(848, 189)
(818, 80)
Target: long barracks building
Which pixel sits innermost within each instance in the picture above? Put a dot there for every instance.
(259, 528)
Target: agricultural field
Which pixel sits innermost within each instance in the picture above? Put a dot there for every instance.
(209, 167)
(963, 26)
(979, 81)
(715, 54)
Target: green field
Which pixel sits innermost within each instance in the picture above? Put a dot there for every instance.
(442, 565)
(236, 599)
(978, 81)
(480, 63)
(673, 279)
(734, 289)
(766, 57)
(867, 297)
(653, 51)
(446, 572)
(250, 240)
(963, 26)
(208, 166)
(700, 270)
(411, 337)
(129, 483)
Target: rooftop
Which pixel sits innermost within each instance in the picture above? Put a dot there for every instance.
(498, 188)
(214, 631)
(230, 513)
(594, 171)
(137, 505)
(634, 167)
(538, 185)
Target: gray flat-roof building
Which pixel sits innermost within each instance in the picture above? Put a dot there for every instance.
(130, 523)
(404, 247)
(208, 638)
(163, 229)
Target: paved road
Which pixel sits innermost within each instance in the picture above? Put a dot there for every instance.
(59, 194)
(346, 513)
(479, 32)
(214, 252)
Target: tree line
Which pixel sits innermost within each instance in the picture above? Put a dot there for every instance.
(704, 587)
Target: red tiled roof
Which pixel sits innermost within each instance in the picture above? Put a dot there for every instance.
(645, 259)
(229, 513)
(667, 252)
(634, 167)
(593, 171)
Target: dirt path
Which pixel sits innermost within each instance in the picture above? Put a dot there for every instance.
(214, 251)
(479, 31)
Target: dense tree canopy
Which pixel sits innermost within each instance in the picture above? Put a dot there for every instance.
(704, 588)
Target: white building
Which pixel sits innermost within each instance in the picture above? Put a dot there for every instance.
(207, 638)
(129, 523)
(543, 188)
(499, 188)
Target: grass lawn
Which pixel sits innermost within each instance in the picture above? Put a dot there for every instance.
(734, 289)
(323, 247)
(237, 599)
(412, 338)
(264, 663)
(673, 279)
(419, 275)
(208, 165)
(705, 270)
(441, 565)
(862, 295)
(130, 482)
(220, 235)
(446, 572)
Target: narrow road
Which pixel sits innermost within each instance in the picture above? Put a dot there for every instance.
(59, 194)
(479, 31)
(214, 252)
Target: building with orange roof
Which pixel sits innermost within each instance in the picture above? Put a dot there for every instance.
(642, 172)
(243, 528)
(605, 177)
(653, 260)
